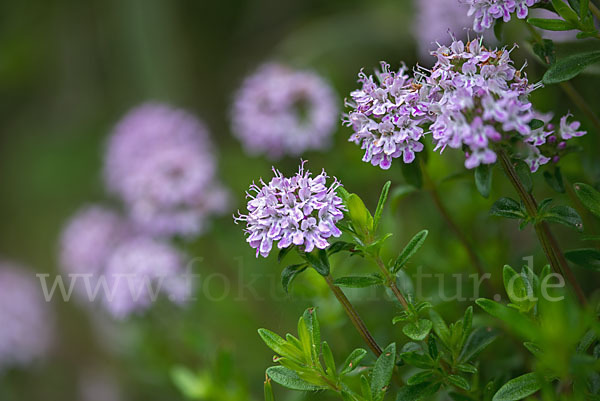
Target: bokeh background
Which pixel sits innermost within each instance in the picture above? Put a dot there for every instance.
(69, 70)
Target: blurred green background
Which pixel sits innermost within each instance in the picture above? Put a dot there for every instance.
(70, 69)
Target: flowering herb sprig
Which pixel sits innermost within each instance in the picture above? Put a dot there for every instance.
(486, 12)
(301, 210)
(473, 99)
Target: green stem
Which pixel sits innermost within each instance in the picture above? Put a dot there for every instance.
(391, 283)
(595, 10)
(547, 240)
(354, 316)
(460, 235)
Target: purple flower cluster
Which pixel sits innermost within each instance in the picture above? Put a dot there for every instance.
(383, 120)
(472, 99)
(280, 111)
(26, 333)
(485, 12)
(108, 259)
(301, 210)
(160, 161)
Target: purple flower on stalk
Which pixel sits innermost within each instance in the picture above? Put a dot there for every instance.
(472, 99)
(280, 111)
(485, 12)
(26, 333)
(386, 116)
(301, 210)
(160, 161)
(138, 271)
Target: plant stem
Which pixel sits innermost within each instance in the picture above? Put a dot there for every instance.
(567, 87)
(354, 316)
(547, 240)
(595, 10)
(391, 283)
(439, 204)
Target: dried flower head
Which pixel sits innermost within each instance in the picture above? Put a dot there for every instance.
(301, 210)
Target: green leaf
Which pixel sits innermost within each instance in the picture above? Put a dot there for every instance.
(459, 382)
(382, 372)
(359, 215)
(365, 388)
(534, 349)
(467, 324)
(477, 341)
(515, 320)
(314, 329)
(555, 180)
(320, 263)
(588, 258)
(466, 368)
(545, 51)
(483, 179)
(289, 274)
(381, 204)
(421, 377)
(353, 360)
(269, 390)
(409, 250)
(507, 207)
(565, 11)
(517, 291)
(518, 388)
(575, 6)
(569, 67)
(524, 173)
(358, 281)
(565, 215)
(439, 326)
(551, 24)
(340, 246)
(283, 252)
(588, 196)
(417, 331)
(417, 360)
(412, 173)
(432, 348)
(273, 341)
(189, 384)
(290, 379)
(417, 392)
(329, 360)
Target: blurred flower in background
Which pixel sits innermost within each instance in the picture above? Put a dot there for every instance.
(161, 163)
(435, 18)
(138, 271)
(280, 111)
(98, 385)
(27, 329)
(87, 241)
